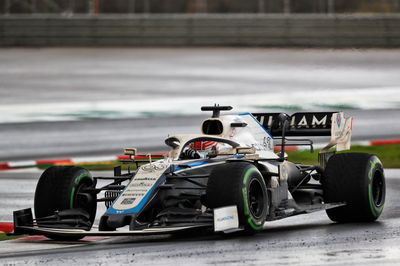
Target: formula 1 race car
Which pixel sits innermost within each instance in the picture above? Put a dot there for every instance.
(227, 179)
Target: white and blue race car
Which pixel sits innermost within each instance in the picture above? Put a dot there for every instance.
(228, 178)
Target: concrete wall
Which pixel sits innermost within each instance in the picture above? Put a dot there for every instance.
(203, 30)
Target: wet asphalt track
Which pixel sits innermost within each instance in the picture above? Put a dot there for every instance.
(303, 240)
(47, 75)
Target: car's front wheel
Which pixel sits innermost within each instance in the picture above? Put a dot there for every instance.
(62, 188)
(240, 184)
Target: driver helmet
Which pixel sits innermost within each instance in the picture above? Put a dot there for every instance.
(204, 146)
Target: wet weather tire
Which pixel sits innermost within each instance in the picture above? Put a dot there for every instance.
(358, 180)
(63, 188)
(239, 184)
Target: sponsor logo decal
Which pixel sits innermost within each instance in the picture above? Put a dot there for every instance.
(307, 121)
(128, 201)
(299, 120)
(268, 143)
(140, 189)
(226, 218)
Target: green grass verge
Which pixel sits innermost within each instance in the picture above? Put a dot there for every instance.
(103, 166)
(388, 154)
(3, 236)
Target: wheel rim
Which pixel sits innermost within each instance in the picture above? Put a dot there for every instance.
(256, 198)
(84, 199)
(378, 186)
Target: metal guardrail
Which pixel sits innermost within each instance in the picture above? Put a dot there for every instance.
(96, 7)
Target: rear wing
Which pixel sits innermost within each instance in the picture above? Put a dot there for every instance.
(333, 124)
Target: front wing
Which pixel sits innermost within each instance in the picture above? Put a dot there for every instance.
(35, 230)
(24, 224)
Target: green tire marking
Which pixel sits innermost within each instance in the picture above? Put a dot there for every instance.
(76, 181)
(246, 203)
(246, 175)
(371, 203)
(71, 201)
(244, 190)
(80, 177)
(373, 163)
(254, 226)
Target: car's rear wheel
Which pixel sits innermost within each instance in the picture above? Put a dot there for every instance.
(239, 184)
(63, 188)
(358, 180)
